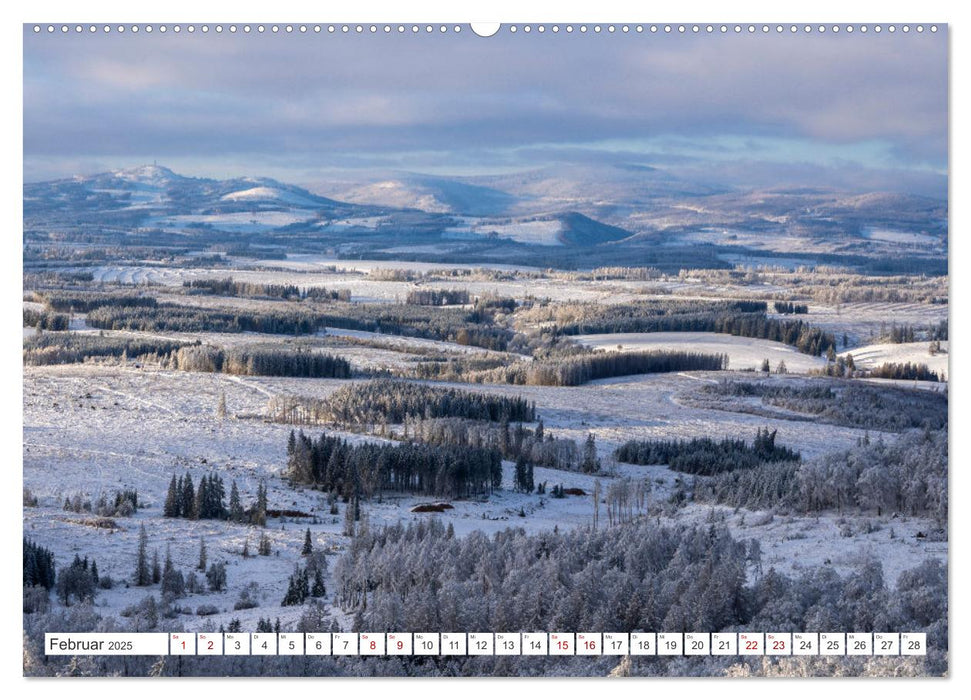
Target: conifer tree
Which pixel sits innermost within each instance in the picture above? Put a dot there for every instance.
(216, 575)
(143, 574)
(201, 566)
(259, 513)
(590, 464)
(520, 473)
(171, 508)
(308, 545)
(188, 497)
(235, 506)
(318, 590)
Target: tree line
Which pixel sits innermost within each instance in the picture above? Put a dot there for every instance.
(450, 324)
(389, 401)
(207, 502)
(268, 362)
(633, 317)
(788, 307)
(797, 333)
(907, 333)
(582, 368)
(841, 402)
(39, 568)
(908, 476)
(365, 469)
(229, 287)
(905, 370)
(46, 320)
(438, 297)
(190, 319)
(83, 301)
(705, 456)
(527, 447)
(57, 348)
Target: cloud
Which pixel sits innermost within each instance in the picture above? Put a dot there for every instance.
(383, 99)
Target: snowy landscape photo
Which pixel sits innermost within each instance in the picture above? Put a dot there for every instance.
(598, 338)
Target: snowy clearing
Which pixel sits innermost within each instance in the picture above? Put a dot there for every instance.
(871, 356)
(743, 353)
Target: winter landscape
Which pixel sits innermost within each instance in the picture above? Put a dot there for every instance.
(606, 395)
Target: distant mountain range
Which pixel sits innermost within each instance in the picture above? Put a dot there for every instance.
(545, 212)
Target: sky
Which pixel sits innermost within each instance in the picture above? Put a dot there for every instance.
(851, 111)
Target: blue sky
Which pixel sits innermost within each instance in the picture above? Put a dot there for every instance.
(850, 111)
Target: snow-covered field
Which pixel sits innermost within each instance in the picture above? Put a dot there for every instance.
(863, 322)
(743, 353)
(870, 356)
(91, 429)
(95, 428)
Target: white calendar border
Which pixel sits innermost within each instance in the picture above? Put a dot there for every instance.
(564, 10)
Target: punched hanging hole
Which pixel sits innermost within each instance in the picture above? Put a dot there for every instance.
(485, 29)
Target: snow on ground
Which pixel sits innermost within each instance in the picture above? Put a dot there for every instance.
(862, 322)
(93, 429)
(743, 353)
(924, 240)
(308, 261)
(541, 232)
(235, 222)
(272, 194)
(871, 356)
(405, 343)
(369, 222)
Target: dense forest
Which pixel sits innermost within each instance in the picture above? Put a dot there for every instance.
(56, 348)
(438, 297)
(449, 324)
(905, 370)
(39, 569)
(705, 456)
(227, 286)
(192, 319)
(634, 576)
(364, 470)
(590, 317)
(742, 318)
(46, 320)
(582, 368)
(846, 403)
(907, 476)
(788, 307)
(527, 447)
(83, 301)
(265, 361)
(387, 401)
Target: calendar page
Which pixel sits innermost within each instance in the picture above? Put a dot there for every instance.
(599, 349)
